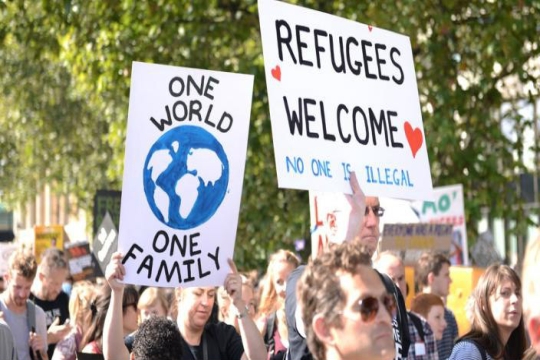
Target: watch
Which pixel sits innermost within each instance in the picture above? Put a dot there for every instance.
(242, 313)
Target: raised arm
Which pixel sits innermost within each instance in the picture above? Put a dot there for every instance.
(254, 348)
(358, 209)
(113, 336)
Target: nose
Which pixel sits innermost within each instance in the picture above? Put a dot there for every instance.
(383, 315)
(370, 220)
(514, 298)
(204, 299)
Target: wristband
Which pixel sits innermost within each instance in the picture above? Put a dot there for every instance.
(242, 313)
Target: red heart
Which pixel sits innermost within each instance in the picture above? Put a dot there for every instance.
(370, 28)
(414, 137)
(276, 73)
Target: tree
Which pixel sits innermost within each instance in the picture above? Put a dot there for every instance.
(66, 78)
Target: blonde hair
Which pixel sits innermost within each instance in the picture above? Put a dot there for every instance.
(153, 296)
(81, 297)
(268, 302)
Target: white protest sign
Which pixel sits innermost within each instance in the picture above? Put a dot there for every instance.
(343, 97)
(184, 166)
(6, 249)
(448, 208)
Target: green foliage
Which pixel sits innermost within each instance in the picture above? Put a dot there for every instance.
(65, 79)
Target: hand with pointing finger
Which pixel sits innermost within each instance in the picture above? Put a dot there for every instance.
(358, 208)
(233, 285)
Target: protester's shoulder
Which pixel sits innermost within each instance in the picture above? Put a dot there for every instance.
(295, 274)
(39, 310)
(465, 350)
(63, 297)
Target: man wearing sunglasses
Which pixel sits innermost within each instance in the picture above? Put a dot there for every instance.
(362, 224)
(346, 309)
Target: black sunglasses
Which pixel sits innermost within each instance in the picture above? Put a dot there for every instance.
(377, 210)
(369, 307)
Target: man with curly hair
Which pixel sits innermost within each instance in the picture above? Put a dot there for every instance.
(346, 308)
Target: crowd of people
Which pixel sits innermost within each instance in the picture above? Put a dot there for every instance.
(347, 303)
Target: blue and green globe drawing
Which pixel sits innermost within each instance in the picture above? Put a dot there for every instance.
(186, 176)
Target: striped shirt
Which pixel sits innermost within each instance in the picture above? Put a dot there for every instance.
(465, 350)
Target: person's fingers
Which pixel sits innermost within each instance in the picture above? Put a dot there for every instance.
(355, 185)
(56, 321)
(232, 266)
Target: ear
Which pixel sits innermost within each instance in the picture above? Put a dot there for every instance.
(533, 326)
(430, 278)
(41, 276)
(131, 356)
(322, 330)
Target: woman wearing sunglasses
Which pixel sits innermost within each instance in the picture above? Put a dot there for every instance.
(497, 330)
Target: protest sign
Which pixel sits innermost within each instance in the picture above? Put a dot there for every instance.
(184, 166)
(106, 201)
(416, 237)
(6, 249)
(105, 242)
(49, 236)
(448, 208)
(82, 264)
(343, 97)
(329, 215)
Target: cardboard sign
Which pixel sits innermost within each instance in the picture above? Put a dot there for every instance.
(416, 236)
(448, 208)
(82, 264)
(105, 242)
(184, 167)
(343, 97)
(51, 236)
(106, 201)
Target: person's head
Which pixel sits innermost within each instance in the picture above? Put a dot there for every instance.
(432, 273)
(369, 233)
(152, 302)
(273, 286)
(158, 338)
(497, 312)
(98, 309)
(130, 314)
(22, 267)
(194, 307)
(431, 308)
(79, 303)
(531, 292)
(392, 265)
(52, 272)
(345, 307)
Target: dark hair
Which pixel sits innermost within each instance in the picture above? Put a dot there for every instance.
(158, 338)
(484, 329)
(319, 288)
(429, 262)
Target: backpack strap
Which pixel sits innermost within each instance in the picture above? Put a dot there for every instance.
(480, 349)
(31, 315)
(401, 315)
(269, 333)
(418, 325)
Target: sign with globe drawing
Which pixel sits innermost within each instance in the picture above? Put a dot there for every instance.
(185, 185)
(184, 166)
